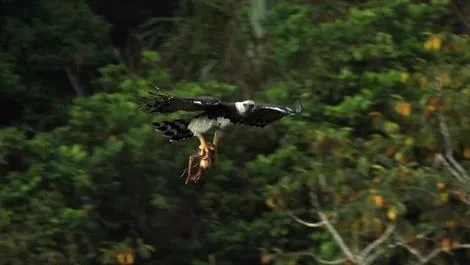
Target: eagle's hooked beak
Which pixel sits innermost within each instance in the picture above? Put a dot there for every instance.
(298, 108)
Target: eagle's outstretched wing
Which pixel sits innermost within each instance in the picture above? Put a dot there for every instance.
(263, 114)
(165, 103)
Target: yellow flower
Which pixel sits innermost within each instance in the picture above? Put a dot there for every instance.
(403, 108)
(433, 43)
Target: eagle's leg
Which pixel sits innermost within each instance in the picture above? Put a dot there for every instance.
(217, 136)
(203, 147)
(215, 145)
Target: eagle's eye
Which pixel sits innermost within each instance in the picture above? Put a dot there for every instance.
(244, 106)
(248, 105)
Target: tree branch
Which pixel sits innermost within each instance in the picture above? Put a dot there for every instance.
(460, 15)
(319, 260)
(331, 262)
(464, 200)
(440, 159)
(364, 258)
(339, 240)
(371, 258)
(448, 158)
(378, 241)
(211, 259)
(425, 234)
(308, 224)
(423, 259)
(121, 60)
(217, 136)
(73, 81)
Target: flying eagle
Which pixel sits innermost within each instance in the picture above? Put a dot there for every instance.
(213, 113)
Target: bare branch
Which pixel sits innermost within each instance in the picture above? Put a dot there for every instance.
(460, 15)
(442, 124)
(388, 232)
(308, 224)
(431, 256)
(331, 262)
(440, 160)
(118, 57)
(445, 134)
(319, 260)
(211, 258)
(422, 259)
(450, 157)
(451, 164)
(464, 200)
(339, 240)
(217, 136)
(371, 258)
(73, 81)
(363, 258)
(425, 234)
(410, 249)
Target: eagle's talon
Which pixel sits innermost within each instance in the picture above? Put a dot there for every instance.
(204, 149)
(203, 152)
(201, 160)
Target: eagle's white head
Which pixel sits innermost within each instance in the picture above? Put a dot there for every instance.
(245, 106)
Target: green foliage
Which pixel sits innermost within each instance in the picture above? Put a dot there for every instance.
(97, 157)
(118, 76)
(8, 77)
(377, 72)
(52, 36)
(47, 52)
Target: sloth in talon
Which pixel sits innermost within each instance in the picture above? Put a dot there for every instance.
(202, 159)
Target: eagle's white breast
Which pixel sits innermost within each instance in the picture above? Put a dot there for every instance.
(223, 122)
(201, 125)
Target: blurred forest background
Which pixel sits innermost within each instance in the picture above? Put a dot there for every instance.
(375, 171)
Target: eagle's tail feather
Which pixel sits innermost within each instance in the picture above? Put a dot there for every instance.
(176, 130)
